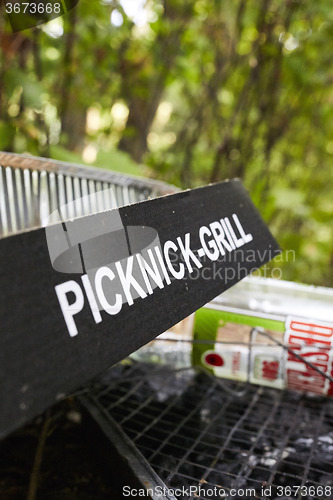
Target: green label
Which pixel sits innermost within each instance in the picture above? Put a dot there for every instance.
(208, 321)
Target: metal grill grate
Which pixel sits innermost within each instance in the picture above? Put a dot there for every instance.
(32, 188)
(195, 432)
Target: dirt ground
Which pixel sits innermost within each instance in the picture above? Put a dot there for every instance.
(55, 458)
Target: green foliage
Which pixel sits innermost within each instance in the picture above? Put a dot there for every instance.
(203, 91)
(115, 160)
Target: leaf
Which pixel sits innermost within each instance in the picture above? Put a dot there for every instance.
(7, 133)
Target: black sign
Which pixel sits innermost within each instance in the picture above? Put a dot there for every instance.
(78, 296)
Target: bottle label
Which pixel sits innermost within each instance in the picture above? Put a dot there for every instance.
(301, 359)
(267, 366)
(310, 355)
(228, 361)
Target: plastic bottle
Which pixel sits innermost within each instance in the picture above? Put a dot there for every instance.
(264, 331)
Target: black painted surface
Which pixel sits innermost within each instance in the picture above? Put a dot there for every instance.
(40, 362)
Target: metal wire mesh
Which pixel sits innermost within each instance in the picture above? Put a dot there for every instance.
(190, 429)
(195, 433)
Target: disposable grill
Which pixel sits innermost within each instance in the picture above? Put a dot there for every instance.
(195, 430)
(32, 188)
(179, 428)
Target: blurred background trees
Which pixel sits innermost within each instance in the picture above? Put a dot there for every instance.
(190, 92)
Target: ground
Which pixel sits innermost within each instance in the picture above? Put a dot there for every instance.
(55, 458)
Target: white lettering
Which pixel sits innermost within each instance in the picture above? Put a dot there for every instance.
(246, 237)
(227, 234)
(169, 245)
(161, 261)
(152, 268)
(238, 242)
(153, 272)
(91, 299)
(69, 310)
(218, 234)
(105, 272)
(127, 280)
(187, 253)
(126, 491)
(204, 231)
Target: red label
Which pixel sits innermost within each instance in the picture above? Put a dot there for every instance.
(214, 359)
(236, 362)
(270, 370)
(311, 344)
